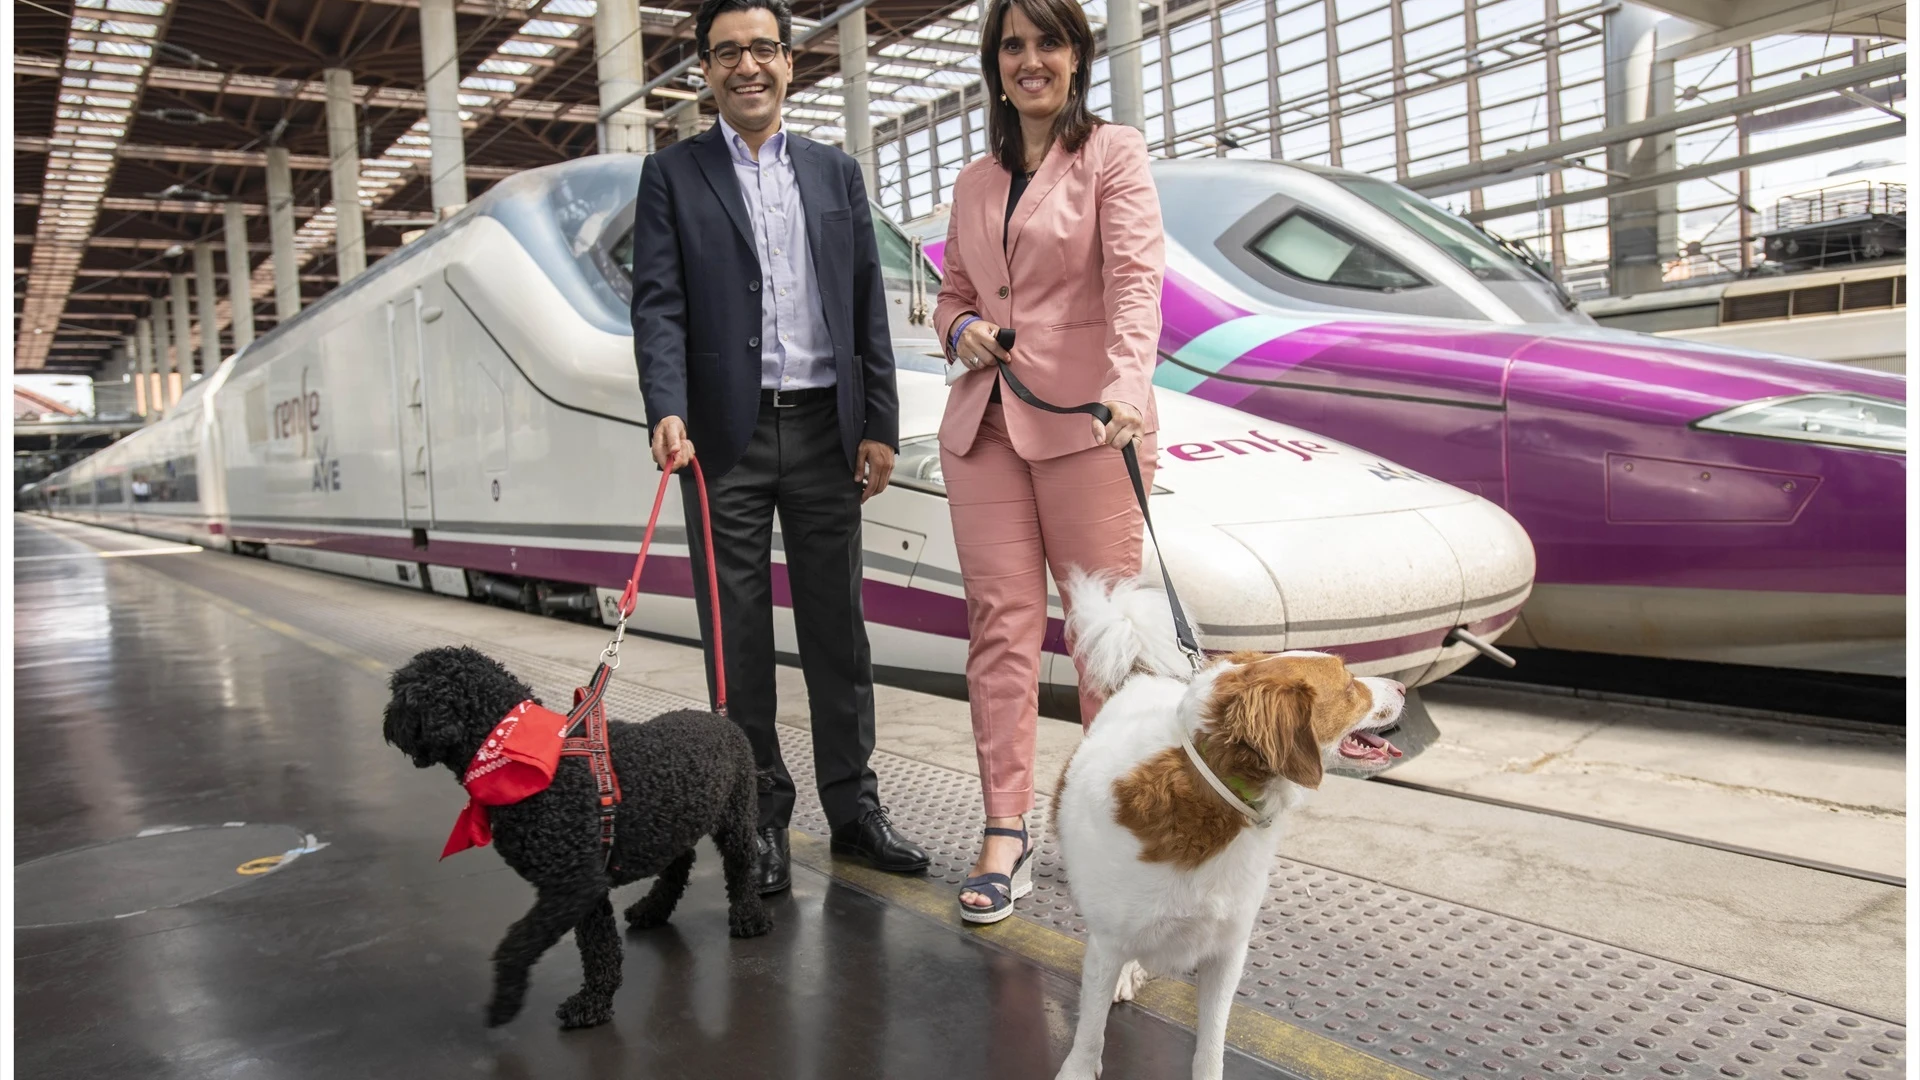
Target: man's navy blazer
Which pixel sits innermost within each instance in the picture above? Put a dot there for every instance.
(697, 296)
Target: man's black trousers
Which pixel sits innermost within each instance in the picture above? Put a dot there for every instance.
(793, 466)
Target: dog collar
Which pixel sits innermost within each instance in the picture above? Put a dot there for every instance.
(1238, 802)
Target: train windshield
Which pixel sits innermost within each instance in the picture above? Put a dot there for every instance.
(576, 220)
(1465, 244)
(896, 258)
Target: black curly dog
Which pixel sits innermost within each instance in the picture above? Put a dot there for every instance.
(683, 775)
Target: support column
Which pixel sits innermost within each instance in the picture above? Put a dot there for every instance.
(240, 274)
(162, 355)
(853, 87)
(343, 151)
(182, 310)
(1126, 81)
(286, 258)
(113, 380)
(1643, 227)
(203, 306)
(145, 400)
(440, 51)
(623, 70)
(686, 121)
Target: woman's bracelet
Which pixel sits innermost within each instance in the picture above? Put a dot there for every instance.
(953, 339)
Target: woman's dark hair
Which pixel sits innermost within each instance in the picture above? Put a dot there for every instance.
(713, 9)
(1061, 19)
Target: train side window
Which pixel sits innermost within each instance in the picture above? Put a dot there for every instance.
(1312, 249)
(896, 258)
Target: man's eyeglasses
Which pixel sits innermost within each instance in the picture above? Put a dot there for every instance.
(727, 53)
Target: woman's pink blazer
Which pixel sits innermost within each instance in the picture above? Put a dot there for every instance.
(1079, 283)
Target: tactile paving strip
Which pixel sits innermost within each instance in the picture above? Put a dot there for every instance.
(1432, 986)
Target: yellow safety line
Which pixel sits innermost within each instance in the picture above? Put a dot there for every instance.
(1268, 1038)
(1265, 1037)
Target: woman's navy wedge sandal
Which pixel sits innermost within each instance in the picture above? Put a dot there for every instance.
(1002, 889)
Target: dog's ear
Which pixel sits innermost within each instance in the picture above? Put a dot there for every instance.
(1269, 711)
(428, 700)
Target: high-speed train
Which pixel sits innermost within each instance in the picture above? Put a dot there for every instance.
(465, 418)
(1684, 500)
(1856, 315)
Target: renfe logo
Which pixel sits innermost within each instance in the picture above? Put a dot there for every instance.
(1217, 450)
(297, 415)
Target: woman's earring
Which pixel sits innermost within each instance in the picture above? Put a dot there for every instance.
(1003, 99)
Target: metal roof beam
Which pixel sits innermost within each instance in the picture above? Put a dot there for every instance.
(1495, 170)
(1843, 141)
(161, 243)
(157, 275)
(313, 90)
(109, 54)
(478, 103)
(134, 205)
(242, 159)
(1785, 18)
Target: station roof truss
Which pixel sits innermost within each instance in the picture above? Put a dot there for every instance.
(138, 121)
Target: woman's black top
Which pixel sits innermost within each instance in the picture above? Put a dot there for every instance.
(1019, 188)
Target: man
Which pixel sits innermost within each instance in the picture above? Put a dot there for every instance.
(760, 324)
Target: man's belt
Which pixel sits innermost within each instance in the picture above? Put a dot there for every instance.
(787, 399)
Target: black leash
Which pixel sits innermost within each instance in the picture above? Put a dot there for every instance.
(1183, 632)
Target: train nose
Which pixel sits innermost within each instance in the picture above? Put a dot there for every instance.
(1382, 591)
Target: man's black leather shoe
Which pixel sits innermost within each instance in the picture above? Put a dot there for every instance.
(874, 838)
(772, 873)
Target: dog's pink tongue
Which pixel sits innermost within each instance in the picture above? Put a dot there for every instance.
(1366, 746)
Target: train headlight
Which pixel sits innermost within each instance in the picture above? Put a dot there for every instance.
(1833, 418)
(917, 466)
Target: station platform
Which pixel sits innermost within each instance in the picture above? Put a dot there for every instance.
(222, 870)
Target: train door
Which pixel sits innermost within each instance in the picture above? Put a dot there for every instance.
(410, 399)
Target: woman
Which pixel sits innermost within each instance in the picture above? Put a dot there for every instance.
(1056, 233)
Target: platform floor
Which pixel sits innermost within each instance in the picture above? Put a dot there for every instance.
(196, 689)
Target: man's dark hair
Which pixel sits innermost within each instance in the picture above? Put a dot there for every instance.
(1060, 19)
(713, 9)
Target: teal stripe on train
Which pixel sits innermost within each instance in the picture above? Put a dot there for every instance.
(1222, 345)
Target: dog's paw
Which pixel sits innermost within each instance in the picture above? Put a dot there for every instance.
(749, 924)
(1132, 978)
(1075, 1068)
(645, 916)
(584, 1010)
(503, 1008)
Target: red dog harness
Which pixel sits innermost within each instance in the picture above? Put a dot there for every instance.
(523, 751)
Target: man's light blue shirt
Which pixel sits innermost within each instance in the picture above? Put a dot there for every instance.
(796, 352)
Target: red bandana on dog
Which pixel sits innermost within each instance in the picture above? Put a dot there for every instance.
(517, 760)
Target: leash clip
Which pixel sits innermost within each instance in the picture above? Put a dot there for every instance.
(611, 654)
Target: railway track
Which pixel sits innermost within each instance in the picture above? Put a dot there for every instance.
(1819, 697)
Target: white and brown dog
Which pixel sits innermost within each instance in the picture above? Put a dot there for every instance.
(1167, 867)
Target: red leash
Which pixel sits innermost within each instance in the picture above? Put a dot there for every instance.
(630, 598)
(585, 733)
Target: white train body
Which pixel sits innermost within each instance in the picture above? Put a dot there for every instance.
(467, 414)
